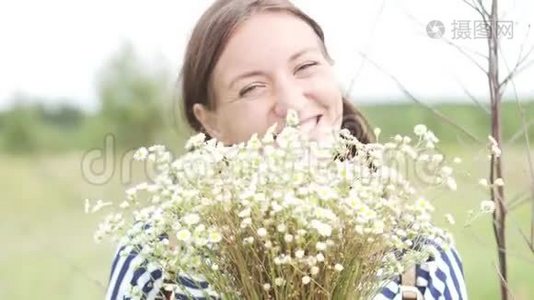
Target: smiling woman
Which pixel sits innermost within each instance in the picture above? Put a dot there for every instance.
(256, 81)
(247, 63)
(254, 60)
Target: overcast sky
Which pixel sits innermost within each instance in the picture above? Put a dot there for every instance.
(54, 49)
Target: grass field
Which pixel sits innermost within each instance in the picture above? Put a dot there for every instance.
(48, 251)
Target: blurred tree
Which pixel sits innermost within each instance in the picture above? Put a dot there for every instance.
(20, 128)
(62, 115)
(132, 97)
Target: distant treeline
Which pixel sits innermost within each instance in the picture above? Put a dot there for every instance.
(137, 108)
(36, 128)
(29, 128)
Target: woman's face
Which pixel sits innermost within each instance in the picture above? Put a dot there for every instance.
(273, 62)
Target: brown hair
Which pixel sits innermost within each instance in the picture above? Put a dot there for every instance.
(207, 43)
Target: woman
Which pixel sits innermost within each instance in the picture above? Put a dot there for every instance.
(246, 64)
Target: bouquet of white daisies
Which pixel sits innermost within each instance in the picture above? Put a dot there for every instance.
(283, 217)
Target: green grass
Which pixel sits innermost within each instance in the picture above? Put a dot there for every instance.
(49, 252)
(476, 242)
(400, 119)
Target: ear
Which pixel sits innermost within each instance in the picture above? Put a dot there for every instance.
(208, 119)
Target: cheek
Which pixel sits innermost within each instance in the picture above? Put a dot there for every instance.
(240, 121)
(328, 94)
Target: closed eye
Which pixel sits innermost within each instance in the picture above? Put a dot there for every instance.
(306, 66)
(247, 90)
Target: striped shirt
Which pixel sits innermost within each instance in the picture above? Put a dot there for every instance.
(441, 277)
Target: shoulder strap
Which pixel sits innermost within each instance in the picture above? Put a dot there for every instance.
(407, 288)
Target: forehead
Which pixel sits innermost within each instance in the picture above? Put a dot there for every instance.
(263, 41)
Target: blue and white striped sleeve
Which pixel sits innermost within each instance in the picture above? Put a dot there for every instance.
(439, 278)
(132, 274)
(442, 277)
(133, 277)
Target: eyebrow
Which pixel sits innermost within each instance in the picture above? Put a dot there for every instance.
(245, 75)
(302, 52)
(260, 73)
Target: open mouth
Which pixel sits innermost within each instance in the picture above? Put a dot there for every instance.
(306, 125)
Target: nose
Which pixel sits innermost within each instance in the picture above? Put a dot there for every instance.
(289, 95)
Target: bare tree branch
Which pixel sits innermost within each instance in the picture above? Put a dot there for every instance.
(530, 161)
(483, 8)
(517, 201)
(474, 99)
(463, 51)
(496, 164)
(520, 132)
(519, 67)
(502, 278)
(360, 67)
(414, 99)
(527, 241)
(483, 243)
(521, 59)
(479, 7)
